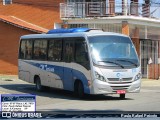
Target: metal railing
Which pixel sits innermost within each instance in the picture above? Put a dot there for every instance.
(101, 9)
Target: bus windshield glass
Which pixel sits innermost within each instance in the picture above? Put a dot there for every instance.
(113, 51)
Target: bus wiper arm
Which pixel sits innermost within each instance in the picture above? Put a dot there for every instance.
(113, 63)
(129, 62)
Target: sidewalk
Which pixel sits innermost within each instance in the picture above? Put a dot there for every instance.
(150, 82)
(3, 76)
(145, 82)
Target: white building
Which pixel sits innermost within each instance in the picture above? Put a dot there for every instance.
(138, 19)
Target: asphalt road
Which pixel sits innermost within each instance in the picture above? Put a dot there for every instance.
(58, 100)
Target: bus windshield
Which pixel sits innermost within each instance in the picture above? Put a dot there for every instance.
(113, 51)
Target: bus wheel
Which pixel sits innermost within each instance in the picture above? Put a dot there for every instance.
(122, 96)
(80, 90)
(39, 87)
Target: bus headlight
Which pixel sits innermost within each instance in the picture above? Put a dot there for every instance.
(138, 76)
(100, 77)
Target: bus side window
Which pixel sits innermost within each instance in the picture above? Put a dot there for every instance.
(55, 50)
(22, 50)
(69, 51)
(40, 49)
(26, 49)
(81, 54)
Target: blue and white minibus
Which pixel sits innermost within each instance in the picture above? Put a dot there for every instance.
(82, 60)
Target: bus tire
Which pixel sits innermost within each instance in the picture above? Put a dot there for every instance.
(80, 90)
(39, 87)
(122, 96)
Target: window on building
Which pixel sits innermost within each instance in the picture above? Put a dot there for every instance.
(7, 2)
(26, 49)
(55, 50)
(40, 50)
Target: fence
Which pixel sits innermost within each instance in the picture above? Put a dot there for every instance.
(153, 71)
(101, 9)
(150, 54)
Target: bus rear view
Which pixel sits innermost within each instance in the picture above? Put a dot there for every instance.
(116, 67)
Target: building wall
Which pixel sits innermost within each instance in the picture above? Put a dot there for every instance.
(9, 42)
(40, 12)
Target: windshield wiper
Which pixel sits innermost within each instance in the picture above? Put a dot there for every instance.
(113, 63)
(129, 62)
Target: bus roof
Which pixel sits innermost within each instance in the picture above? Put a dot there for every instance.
(76, 34)
(71, 30)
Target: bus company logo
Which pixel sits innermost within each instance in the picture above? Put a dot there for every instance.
(119, 70)
(119, 75)
(43, 67)
(46, 67)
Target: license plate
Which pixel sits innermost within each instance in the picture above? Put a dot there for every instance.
(121, 91)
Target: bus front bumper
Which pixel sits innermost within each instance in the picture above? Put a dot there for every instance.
(100, 87)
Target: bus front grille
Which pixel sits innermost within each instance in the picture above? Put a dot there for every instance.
(120, 80)
(115, 88)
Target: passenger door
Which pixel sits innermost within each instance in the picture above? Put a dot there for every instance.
(55, 64)
(68, 57)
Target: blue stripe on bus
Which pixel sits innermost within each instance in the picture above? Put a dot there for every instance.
(58, 70)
